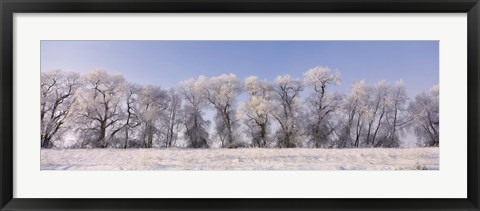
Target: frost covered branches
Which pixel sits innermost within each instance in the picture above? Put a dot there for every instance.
(255, 113)
(173, 120)
(152, 105)
(321, 105)
(99, 107)
(424, 111)
(222, 92)
(57, 97)
(102, 110)
(287, 110)
(196, 134)
(376, 115)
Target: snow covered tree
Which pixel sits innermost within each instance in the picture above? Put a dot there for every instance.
(100, 107)
(287, 113)
(132, 120)
(425, 113)
(375, 111)
(173, 118)
(376, 115)
(354, 107)
(58, 95)
(255, 112)
(321, 104)
(396, 116)
(222, 92)
(196, 134)
(152, 103)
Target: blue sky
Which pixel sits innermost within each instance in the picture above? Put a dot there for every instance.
(165, 63)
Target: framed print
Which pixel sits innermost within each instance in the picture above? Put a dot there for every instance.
(239, 105)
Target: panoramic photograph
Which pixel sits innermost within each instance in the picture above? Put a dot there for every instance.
(239, 105)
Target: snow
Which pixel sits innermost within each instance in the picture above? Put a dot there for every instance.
(241, 159)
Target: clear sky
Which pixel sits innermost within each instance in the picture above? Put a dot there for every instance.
(166, 63)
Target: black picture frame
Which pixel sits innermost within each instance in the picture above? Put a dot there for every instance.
(9, 7)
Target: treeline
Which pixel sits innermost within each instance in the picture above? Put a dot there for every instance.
(102, 110)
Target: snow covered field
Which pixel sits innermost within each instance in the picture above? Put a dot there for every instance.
(241, 159)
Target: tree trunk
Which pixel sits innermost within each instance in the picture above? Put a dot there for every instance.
(126, 139)
(378, 126)
(101, 138)
(359, 130)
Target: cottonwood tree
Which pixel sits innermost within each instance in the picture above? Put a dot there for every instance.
(375, 111)
(173, 116)
(396, 116)
(100, 107)
(132, 120)
(321, 104)
(58, 95)
(425, 113)
(152, 103)
(255, 112)
(354, 107)
(222, 92)
(196, 134)
(287, 113)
